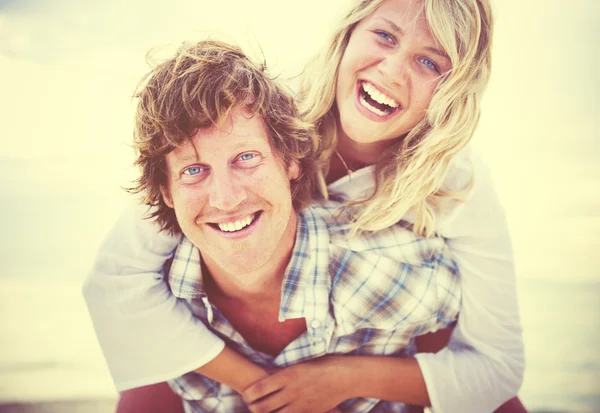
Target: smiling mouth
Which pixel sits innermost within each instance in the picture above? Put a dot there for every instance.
(236, 226)
(375, 101)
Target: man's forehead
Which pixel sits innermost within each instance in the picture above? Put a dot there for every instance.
(238, 133)
(190, 151)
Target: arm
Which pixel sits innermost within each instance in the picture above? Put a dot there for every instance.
(484, 363)
(146, 334)
(321, 384)
(325, 383)
(160, 398)
(155, 398)
(434, 342)
(232, 369)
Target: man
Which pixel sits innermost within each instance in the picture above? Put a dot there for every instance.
(227, 164)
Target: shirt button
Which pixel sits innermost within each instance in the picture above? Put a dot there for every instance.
(318, 341)
(315, 324)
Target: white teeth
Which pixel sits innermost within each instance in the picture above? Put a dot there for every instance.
(237, 225)
(371, 108)
(377, 96)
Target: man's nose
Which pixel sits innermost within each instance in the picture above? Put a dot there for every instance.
(227, 191)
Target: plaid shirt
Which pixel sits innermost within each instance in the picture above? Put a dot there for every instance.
(359, 295)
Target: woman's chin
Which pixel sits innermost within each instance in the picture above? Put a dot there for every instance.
(368, 137)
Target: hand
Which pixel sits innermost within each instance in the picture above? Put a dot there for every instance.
(310, 387)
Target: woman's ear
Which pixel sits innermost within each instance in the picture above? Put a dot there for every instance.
(294, 170)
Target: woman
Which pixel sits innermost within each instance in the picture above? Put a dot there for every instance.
(396, 99)
(393, 62)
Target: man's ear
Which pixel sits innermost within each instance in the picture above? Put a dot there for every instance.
(294, 170)
(166, 196)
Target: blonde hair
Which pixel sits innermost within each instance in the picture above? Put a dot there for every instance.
(198, 89)
(410, 173)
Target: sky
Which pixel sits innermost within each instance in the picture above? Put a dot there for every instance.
(68, 70)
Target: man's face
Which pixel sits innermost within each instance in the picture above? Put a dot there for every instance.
(231, 194)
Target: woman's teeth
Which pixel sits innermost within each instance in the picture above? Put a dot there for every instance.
(237, 225)
(377, 96)
(371, 108)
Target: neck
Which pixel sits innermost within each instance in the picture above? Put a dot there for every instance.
(260, 285)
(360, 154)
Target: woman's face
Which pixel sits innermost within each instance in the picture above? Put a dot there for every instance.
(388, 73)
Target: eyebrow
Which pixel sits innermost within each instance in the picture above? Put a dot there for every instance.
(395, 27)
(248, 140)
(181, 161)
(245, 143)
(438, 52)
(399, 30)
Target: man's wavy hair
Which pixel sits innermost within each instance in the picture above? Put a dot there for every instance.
(198, 89)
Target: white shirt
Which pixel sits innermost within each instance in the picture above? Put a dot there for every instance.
(132, 308)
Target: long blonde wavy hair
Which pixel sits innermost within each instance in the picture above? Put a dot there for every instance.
(411, 172)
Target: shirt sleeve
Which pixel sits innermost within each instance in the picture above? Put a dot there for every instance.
(483, 365)
(147, 335)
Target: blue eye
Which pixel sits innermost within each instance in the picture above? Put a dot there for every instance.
(192, 170)
(430, 64)
(247, 156)
(248, 160)
(385, 36)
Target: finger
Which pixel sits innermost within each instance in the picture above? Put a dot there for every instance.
(271, 403)
(262, 388)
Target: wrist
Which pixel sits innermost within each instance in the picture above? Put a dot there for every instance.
(389, 378)
(250, 375)
(233, 370)
(344, 373)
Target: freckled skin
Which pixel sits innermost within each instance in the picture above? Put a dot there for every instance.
(221, 185)
(398, 63)
(235, 175)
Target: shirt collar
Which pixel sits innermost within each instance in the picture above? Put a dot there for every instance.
(185, 274)
(306, 283)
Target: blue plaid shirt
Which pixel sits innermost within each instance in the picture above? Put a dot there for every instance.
(360, 295)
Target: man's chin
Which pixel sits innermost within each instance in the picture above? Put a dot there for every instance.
(242, 266)
(236, 261)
